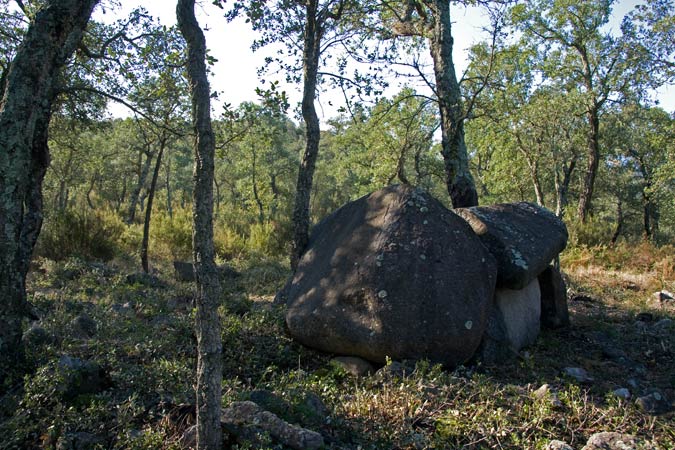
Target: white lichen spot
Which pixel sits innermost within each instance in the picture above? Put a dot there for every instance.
(382, 294)
(378, 264)
(424, 209)
(426, 222)
(518, 259)
(468, 324)
(423, 257)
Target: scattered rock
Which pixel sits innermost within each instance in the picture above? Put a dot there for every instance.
(583, 298)
(353, 365)
(622, 393)
(611, 441)
(353, 291)
(145, 279)
(79, 441)
(246, 421)
(558, 445)
(78, 377)
(662, 299)
(394, 369)
(523, 237)
(578, 374)
(313, 406)
(520, 311)
(83, 326)
(546, 391)
(36, 335)
(654, 403)
(554, 312)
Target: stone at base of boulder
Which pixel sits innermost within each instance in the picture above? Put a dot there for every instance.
(495, 349)
(554, 312)
(520, 311)
(354, 365)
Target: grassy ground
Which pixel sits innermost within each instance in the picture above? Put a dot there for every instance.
(145, 342)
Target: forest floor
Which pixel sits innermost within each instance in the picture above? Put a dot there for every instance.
(139, 332)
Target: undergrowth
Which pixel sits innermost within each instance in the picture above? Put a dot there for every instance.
(145, 341)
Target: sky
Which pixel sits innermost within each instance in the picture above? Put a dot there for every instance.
(235, 73)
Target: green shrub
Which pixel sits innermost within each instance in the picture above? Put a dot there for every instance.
(172, 236)
(594, 232)
(85, 234)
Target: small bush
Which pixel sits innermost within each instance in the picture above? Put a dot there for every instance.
(594, 232)
(172, 235)
(86, 234)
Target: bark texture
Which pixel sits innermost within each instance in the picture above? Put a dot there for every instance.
(310, 63)
(25, 112)
(207, 326)
(593, 151)
(459, 180)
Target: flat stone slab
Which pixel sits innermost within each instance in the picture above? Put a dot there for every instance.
(523, 237)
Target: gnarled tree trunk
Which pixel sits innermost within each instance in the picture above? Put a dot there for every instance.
(207, 326)
(459, 180)
(25, 112)
(310, 63)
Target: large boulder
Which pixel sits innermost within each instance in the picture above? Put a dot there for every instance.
(393, 274)
(523, 237)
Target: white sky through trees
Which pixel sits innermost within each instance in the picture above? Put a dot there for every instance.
(234, 76)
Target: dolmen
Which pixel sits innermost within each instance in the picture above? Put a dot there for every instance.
(395, 274)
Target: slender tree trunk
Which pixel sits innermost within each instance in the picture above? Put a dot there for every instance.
(25, 111)
(275, 196)
(310, 63)
(148, 210)
(619, 221)
(209, 345)
(593, 149)
(459, 180)
(169, 206)
(92, 184)
(256, 194)
(563, 188)
(136, 194)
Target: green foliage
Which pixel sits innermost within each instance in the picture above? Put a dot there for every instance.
(85, 234)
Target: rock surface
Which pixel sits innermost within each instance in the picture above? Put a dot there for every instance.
(388, 276)
(611, 441)
(355, 366)
(523, 237)
(558, 445)
(248, 422)
(78, 377)
(554, 312)
(520, 310)
(654, 403)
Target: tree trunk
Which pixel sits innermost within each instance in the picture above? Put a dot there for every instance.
(169, 205)
(256, 194)
(148, 210)
(310, 63)
(459, 180)
(207, 326)
(25, 111)
(593, 149)
(562, 188)
(136, 194)
(619, 221)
